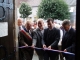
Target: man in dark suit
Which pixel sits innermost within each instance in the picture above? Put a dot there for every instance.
(51, 38)
(26, 36)
(37, 38)
(68, 40)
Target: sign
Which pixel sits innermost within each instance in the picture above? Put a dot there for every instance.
(3, 29)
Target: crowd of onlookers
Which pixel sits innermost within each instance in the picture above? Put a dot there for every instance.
(46, 35)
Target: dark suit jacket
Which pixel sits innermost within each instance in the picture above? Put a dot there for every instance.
(19, 44)
(51, 37)
(23, 39)
(37, 38)
(68, 41)
(28, 52)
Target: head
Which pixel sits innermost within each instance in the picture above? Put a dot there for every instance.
(66, 24)
(19, 22)
(35, 24)
(40, 23)
(28, 25)
(50, 23)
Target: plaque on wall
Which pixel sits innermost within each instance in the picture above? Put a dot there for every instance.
(3, 29)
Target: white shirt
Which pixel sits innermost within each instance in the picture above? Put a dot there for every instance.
(61, 35)
(42, 31)
(21, 27)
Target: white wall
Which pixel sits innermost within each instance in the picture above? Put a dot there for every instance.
(34, 13)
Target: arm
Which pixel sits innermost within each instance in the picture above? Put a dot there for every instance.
(61, 35)
(34, 38)
(55, 43)
(21, 39)
(43, 38)
(72, 47)
(43, 43)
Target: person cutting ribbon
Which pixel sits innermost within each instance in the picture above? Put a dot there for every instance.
(26, 40)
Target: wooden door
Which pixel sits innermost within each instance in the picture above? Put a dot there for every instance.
(7, 15)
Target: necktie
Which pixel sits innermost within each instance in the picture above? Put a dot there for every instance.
(19, 28)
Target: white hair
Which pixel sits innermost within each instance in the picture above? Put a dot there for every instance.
(20, 19)
(40, 19)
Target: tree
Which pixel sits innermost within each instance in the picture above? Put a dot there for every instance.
(25, 10)
(56, 9)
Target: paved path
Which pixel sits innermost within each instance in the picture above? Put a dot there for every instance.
(35, 57)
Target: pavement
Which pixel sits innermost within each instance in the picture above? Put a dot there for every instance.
(35, 57)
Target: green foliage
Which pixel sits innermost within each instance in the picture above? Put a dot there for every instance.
(56, 9)
(25, 10)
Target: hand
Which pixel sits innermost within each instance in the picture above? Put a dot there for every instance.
(26, 45)
(49, 47)
(44, 46)
(65, 50)
(61, 42)
(33, 46)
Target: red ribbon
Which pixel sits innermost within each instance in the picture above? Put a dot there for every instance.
(26, 34)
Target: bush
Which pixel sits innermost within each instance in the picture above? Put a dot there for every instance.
(25, 10)
(56, 9)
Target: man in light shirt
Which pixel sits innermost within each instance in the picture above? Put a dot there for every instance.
(20, 24)
(37, 39)
(19, 27)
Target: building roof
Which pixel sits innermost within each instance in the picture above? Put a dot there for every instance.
(30, 2)
(71, 2)
(37, 2)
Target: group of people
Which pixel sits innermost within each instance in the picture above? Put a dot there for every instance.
(46, 38)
